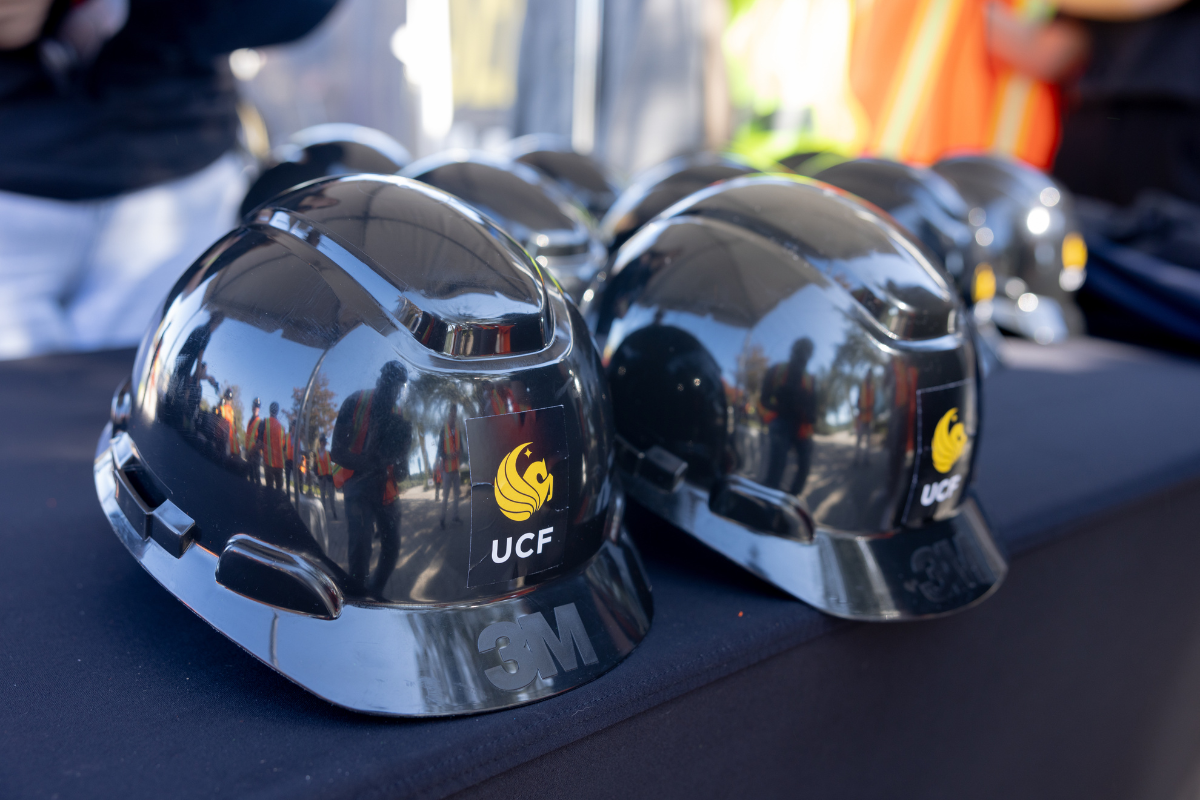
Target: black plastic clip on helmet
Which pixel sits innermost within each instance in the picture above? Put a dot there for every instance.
(456, 543)
(793, 386)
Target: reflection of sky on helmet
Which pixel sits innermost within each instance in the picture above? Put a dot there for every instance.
(805, 313)
(268, 372)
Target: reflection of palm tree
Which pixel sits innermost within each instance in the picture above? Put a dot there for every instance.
(314, 408)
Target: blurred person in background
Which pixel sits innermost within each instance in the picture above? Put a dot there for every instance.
(1134, 120)
(118, 160)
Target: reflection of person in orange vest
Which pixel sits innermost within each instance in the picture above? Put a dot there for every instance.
(289, 463)
(371, 440)
(936, 77)
(449, 446)
(271, 442)
(864, 417)
(789, 398)
(325, 477)
(226, 414)
(497, 401)
(253, 452)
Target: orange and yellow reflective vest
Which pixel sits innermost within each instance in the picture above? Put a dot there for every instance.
(928, 87)
(450, 448)
(273, 443)
(225, 412)
(360, 426)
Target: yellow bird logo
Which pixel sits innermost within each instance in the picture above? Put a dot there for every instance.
(948, 442)
(520, 495)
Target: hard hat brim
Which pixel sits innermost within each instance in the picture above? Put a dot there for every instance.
(409, 660)
(940, 568)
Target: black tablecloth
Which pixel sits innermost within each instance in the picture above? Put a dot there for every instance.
(1081, 677)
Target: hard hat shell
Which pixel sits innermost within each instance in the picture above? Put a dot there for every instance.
(576, 174)
(923, 202)
(793, 386)
(1029, 236)
(663, 186)
(525, 204)
(811, 162)
(436, 357)
(322, 151)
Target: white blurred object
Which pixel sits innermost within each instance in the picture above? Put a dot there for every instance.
(422, 44)
(1036, 317)
(245, 63)
(88, 275)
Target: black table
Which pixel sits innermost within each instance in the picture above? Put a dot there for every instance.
(1080, 678)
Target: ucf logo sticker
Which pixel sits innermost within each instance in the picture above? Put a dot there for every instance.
(943, 455)
(518, 494)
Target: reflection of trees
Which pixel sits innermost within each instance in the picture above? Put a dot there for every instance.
(852, 360)
(752, 366)
(317, 416)
(429, 400)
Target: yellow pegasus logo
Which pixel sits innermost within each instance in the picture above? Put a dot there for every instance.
(948, 442)
(520, 495)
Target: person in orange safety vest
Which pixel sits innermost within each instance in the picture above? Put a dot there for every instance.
(449, 446)
(253, 451)
(226, 414)
(789, 400)
(939, 77)
(371, 441)
(271, 442)
(325, 477)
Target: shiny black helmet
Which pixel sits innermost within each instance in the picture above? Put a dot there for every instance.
(525, 204)
(1031, 254)
(793, 386)
(462, 549)
(576, 174)
(661, 187)
(811, 162)
(925, 203)
(322, 151)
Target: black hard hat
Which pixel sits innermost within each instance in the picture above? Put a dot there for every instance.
(1032, 257)
(793, 386)
(525, 204)
(335, 148)
(811, 162)
(576, 174)
(922, 201)
(378, 304)
(661, 187)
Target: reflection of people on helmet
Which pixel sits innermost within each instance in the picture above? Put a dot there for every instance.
(863, 418)
(253, 453)
(325, 477)
(270, 442)
(289, 464)
(788, 394)
(497, 400)
(371, 441)
(449, 447)
(226, 425)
